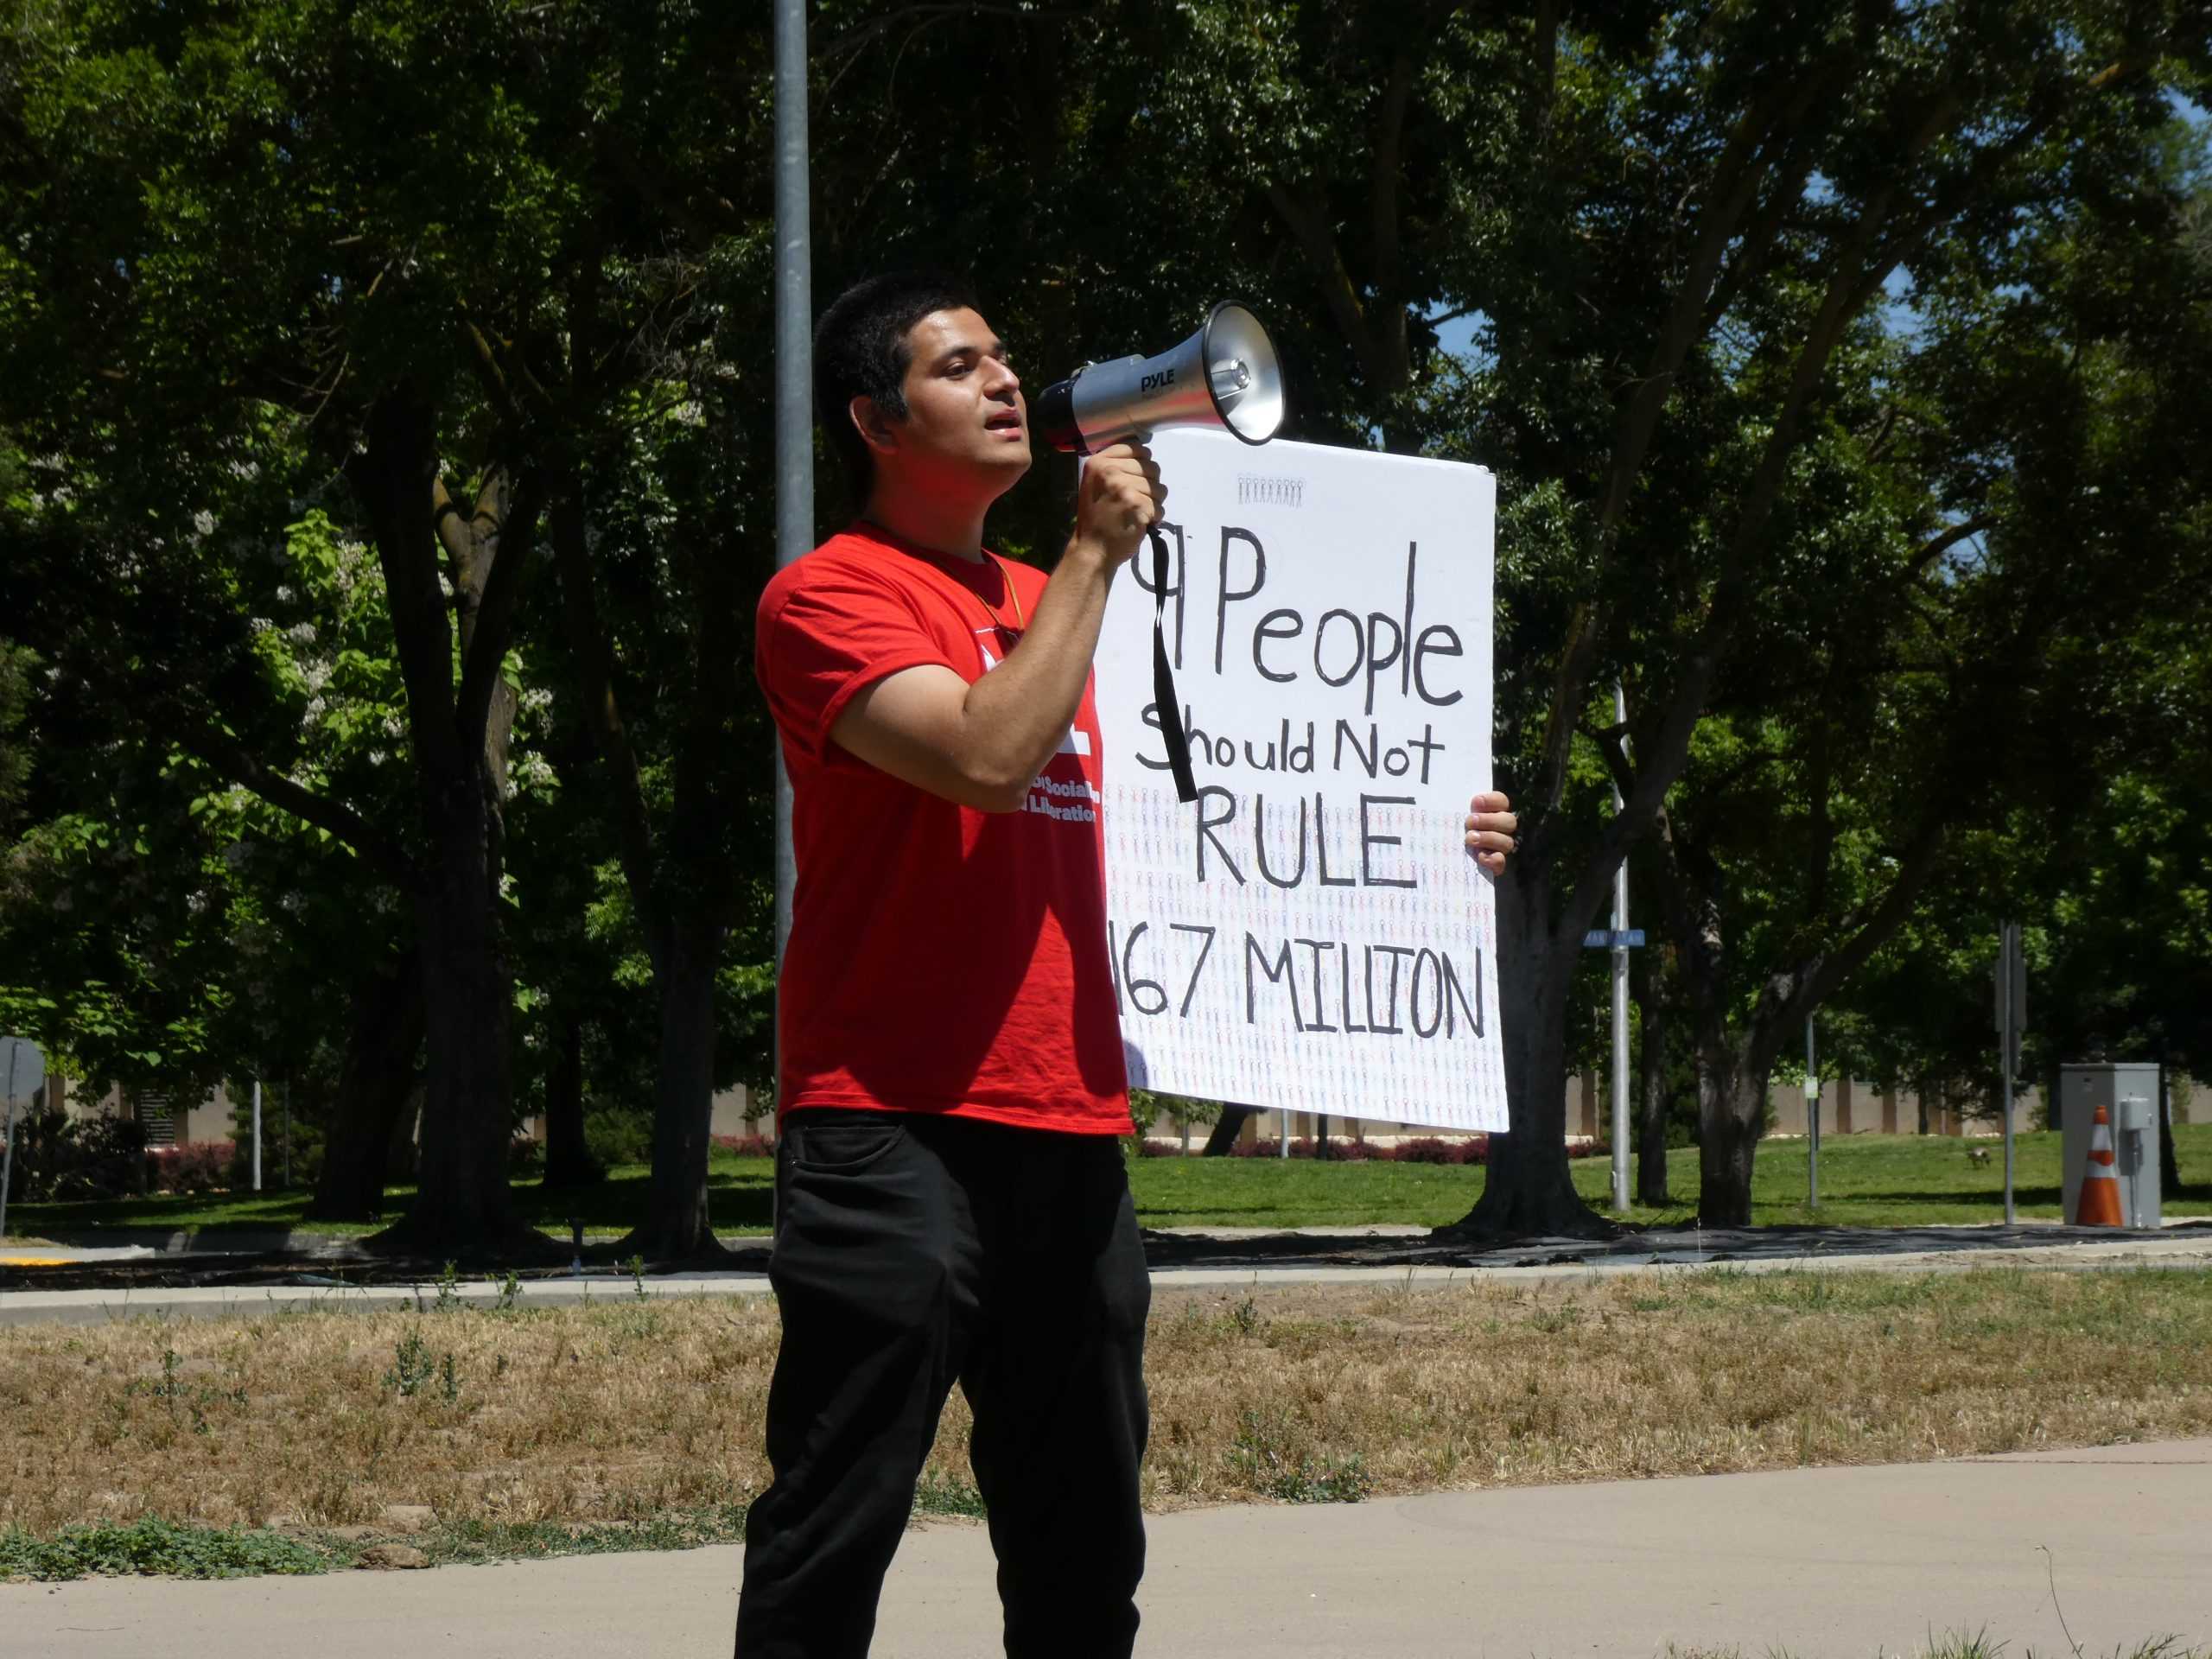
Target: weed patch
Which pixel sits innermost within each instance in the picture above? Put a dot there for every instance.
(938, 1493)
(1274, 1455)
(151, 1546)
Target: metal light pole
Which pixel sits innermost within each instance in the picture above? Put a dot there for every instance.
(2012, 1011)
(1620, 993)
(1812, 1122)
(257, 1134)
(794, 372)
(8, 1155)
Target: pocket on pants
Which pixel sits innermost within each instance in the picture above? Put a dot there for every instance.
(832, 1142)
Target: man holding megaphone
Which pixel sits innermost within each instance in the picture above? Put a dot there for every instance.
(952, 1200)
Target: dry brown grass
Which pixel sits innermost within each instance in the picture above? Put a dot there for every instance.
(623, 1412)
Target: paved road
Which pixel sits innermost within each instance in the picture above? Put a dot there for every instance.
(1199, 1261)
(1829, 1563)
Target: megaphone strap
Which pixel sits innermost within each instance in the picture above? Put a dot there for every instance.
(1163, 678)
(997, 622)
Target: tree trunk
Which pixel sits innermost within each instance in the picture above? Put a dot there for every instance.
(403, 1160)
(685, 914)
(1222, 1142)
(382, 1043)
(677, 1223)
(1731, 1115)
(1529, 1185)
(569, 1162)
(458, 731)
(462, 1203)
(1651, 1095)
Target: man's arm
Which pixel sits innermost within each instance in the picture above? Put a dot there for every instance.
(981, 745)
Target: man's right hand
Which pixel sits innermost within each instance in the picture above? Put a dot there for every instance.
(1121, 498)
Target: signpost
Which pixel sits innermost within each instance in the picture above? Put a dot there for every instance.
(1812, 1122)
(1620, 993)
(25, 1069)
(1311, 932)
(794, 369)
(2011, 974)
(1620, 941)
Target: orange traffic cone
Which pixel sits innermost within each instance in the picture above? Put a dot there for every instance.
(2100, 1202)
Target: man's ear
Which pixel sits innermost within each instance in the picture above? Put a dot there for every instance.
(876, 428)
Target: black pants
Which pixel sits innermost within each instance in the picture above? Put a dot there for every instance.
(912, 1252)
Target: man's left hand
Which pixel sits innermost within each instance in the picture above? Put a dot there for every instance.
(1492, 831)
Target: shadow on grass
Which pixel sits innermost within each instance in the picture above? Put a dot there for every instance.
(741, 1199)
(1964, 1195)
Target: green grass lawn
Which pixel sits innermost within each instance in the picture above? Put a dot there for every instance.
(1866, 1180)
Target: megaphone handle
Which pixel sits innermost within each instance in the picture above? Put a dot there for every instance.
(1163, 678)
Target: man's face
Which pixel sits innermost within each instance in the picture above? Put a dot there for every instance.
(966, 421)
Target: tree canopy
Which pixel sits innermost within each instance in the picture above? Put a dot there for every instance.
(385, 484)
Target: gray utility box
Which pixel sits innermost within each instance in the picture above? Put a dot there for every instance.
(2130, 1095)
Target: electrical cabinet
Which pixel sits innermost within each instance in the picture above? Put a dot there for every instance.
(2129, 1094)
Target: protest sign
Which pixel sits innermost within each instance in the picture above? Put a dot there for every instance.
(1311, 933)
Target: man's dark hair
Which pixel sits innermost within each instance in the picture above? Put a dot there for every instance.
(860, 350)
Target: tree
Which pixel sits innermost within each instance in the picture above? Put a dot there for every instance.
(1787, 168)
(1947, 697)
(16, 666)
(310, 279)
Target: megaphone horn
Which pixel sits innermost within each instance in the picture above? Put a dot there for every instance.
(1225, 375)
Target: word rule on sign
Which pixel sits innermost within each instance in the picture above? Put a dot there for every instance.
(1311, 985)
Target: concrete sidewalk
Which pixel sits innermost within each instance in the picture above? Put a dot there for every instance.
(1841, 1562)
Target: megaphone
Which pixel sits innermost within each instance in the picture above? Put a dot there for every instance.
(1225, 375)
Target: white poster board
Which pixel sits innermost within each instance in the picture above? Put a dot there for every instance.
(1311, 934)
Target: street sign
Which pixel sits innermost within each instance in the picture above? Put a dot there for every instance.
(2011, 976)
(22, 1066)
(1606, 938)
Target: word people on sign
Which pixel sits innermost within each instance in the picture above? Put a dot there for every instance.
(1310, 932)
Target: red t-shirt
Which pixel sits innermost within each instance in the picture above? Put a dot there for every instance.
(942, 959)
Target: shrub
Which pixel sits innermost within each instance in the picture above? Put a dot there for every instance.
(1418, 1149)
(1434, 1149)
(752, 1144)
(61, 1157)
(1153, 1111)
(194, 1167)
(525, 1158)
(615, 1135)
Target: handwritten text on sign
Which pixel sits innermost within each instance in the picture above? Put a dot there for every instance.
(1310, 933)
